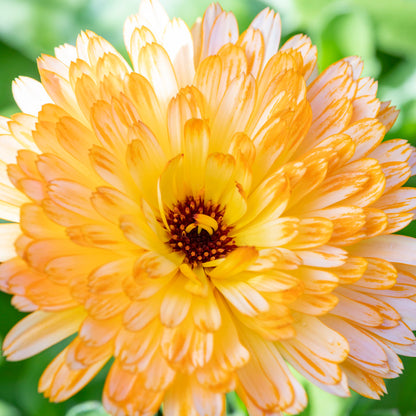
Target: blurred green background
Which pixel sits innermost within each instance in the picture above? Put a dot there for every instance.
(383, 32)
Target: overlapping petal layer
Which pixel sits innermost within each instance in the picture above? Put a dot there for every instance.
(205, 216)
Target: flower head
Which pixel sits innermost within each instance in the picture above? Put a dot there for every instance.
(206, 215)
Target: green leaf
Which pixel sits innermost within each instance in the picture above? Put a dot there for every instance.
(346, 35)
(384, 412)
(91, 408)
(235, 406)
(8, 410)
(395, 24)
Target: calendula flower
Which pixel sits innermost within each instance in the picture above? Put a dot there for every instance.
(205, 215)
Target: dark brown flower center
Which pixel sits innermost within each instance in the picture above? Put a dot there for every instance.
(197, 229)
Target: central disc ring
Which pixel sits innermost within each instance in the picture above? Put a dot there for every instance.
(197, 229)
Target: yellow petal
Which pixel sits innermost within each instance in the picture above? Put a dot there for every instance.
(39, 331)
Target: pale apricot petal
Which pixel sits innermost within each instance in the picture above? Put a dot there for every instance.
(106, 305)
(323, 341)
(242, 296)
(269, 24)
(208, 78)
(185, 347)
(72, 196)
(81, 356)
(207, 402)
(136, 349)
(107, 202)
(338, 75)
(316, 281)
(312, 232)
(206, 313)
(323, 256)
(205, 26)
(153, 16)
(396, 222)
(387, 114)
(252, 42)
(66, 53)
(8, 235)
(10, 202)
(310, 365)
(224, 30)
(145, 161)
(333, 119)
(405, 307)
(175, 304)
(277, 389)
(39, 331)
(372, 359)
(177, 41)
(153, 63)
(108, 127)
(304, 177)
(95, 333)
(9, 268)
(112, 171)
(183, 107)
(21, 127)
(239, 95)
(125, 394)
(393, 248)
(365, 103)
(308, 51)
(315, 305)
(380, 275)
(36, 224)
(75, 138)
(86, 93)
(59, 382)
(399, 200)
(141, 312)
(150, 109)
(39, 252)
(400, 338)
(29, 95)
(365, 384)
(273, 70)
(367, 135)
(392, 150)
(357, 312)
(396, 173)
(59, 88)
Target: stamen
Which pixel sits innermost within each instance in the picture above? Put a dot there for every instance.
(197, 230)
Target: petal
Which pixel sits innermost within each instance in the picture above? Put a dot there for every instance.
(8, 235)
(39, 331)
(59, 382)
(154, 64)
(394, 248)
(269, 24)
(177, 41)
(30, 95)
